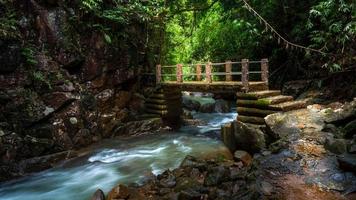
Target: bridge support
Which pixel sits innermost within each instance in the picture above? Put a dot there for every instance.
(167, 104)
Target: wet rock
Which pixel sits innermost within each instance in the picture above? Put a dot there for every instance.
(295, 87)
(187, 114)
(216, 175)
(222, 106)
(341, 115)
(281, 125)
(350, 129)
(10, 56)
(243, 156)
(347, 162)
(237, 135)
(82, 138)
(104, 100)
(119, 192)
(190, 103)
(169, 181)
(73, 120)
(207, 108)
(139, 127)
(122, 98)
(189, 195)
(98, 195)
(266, 188)
(248, 138)
(337, 146)
(122, 75)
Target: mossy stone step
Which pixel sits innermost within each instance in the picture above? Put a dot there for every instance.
(288, 106)
(258, 94)
(279, 99)
(254, 112)
(264, 103)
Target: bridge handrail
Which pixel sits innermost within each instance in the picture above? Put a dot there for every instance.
(208, 71)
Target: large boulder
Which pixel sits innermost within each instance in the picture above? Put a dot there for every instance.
(237, 135)
(139, 127)
(281, 125)
(222, 106)
(207, 108)
(350, 129)
(190, 103)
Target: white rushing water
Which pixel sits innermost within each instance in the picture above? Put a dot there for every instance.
(119, 161)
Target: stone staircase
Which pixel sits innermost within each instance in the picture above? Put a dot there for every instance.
(252, 107)
(164, 103)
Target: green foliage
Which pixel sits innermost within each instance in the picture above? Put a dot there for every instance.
(40, 79)
(8, 22)
(29, 54)
(332, 26)
(206, 30)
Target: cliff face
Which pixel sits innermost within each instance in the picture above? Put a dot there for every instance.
(65, 80)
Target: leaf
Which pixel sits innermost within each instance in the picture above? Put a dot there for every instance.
(107, 38)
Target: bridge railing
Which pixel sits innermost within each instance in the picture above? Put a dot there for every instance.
(208, 70)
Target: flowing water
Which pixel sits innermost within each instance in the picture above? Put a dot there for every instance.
(120, 161)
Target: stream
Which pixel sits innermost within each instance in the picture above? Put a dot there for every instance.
(120, 161)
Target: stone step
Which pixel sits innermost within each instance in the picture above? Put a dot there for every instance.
(279, 99)
(153, 111)
(251, 120)
(288, 106)
(156, 106)
(254, 112)
(160, 96)
(156, 101)
(258, 94)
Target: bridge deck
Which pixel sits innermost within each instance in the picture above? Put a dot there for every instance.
(215, 87)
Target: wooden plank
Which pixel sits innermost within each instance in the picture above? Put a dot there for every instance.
(158, 74)
(208, 73)
(198, 71)
(228, 70)
(264, 70)
(179, 73)
(244, 76)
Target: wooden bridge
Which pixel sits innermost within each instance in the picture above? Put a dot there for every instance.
(247, 79)
(215, 77)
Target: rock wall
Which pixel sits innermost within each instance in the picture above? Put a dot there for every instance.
(63, 85)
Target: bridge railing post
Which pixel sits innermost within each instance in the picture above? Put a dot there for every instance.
(228, 70)
(244, 74)
(179, 73)
(264, 70)
(198, 72)
(208, 72)
(158, 74)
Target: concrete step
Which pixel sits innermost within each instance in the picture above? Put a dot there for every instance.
(258, 94)
(279, 99)
(288, 106)
(254, 112)
(251, 120)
